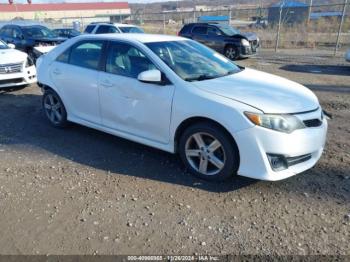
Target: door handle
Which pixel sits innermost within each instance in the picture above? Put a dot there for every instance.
(106, 83)
(56, 71)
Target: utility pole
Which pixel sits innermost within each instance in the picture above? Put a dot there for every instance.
(279, 26)
(309, 16)
(340, 27)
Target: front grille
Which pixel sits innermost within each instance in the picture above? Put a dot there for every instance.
(313, 123)
(11, 81)
(11, 68)
(291, 161)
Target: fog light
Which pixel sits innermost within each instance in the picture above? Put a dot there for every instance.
(277, 162)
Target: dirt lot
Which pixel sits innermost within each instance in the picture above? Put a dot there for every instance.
(79, 191)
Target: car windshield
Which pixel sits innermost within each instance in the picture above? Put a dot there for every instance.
(193, 61)
(131, 29)
(3, 45)
(39, 32)
(229, 30)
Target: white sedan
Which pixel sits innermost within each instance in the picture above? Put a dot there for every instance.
(177, 95)
(16, 68)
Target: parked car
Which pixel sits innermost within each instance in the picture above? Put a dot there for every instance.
(16, 68)
(66, 32)
(107, 28)
(260, 23)
(177, 95)
(32, 39)
(347, 56)
(223, 38)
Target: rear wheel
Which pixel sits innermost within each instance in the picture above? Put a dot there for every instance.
(54, 109)
(208, 152)
(231, 52)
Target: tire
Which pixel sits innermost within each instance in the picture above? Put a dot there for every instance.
(231, 52)
(54, 109)
(215, 160)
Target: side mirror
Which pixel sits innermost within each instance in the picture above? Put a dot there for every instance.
(12, 46)
(151, 76)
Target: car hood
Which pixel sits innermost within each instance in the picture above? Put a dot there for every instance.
(249, 36)
(11, 56)
(266, 92)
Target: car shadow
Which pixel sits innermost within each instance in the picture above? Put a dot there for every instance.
(23, 124)
(27, 125)
(318, 69)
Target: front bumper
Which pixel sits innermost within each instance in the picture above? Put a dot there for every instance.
(248, 51)
(26, 77)
(255, 143)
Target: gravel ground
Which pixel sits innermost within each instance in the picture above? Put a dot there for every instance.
(79, 191)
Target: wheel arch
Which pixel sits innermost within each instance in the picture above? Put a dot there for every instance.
(194, 120)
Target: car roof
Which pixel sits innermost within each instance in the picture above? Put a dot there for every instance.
(143, 38)
(114, 24)
(124, 25)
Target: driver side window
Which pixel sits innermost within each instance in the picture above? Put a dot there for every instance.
(126, 60)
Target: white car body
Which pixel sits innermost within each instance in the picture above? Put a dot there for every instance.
(347, 56)
(151, 114)
(13, 69)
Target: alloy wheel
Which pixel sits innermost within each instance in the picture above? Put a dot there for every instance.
(231, 53)
(53, 109)
(205, 154)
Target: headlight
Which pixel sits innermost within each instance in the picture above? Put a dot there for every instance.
(29, 62)
(281, 123)
(245, 42)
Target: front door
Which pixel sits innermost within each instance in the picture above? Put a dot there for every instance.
(128, 105)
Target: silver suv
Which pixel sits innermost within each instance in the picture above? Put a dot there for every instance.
(108, 28)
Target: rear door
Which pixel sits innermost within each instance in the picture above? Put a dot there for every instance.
(75, 74)
(6, 34)
(17, 38)
(199, 33)
(106, 29)
(215, 39)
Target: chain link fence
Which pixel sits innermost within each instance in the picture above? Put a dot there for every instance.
(318, 27)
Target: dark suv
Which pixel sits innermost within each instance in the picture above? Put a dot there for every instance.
(223, 38)
(27, 37)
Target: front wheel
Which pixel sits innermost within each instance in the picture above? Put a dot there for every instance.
(54, 109)
(231, 52)
(209, 152)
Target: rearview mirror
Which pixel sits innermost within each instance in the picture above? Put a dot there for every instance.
(150, 76)
(12, 46)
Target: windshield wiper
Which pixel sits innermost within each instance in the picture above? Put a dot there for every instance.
(200, 78)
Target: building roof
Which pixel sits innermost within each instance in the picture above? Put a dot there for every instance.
(288, 4)
(214, 18)
(62, 6)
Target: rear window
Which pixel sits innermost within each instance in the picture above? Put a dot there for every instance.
(106, 29)
(200, 30)
(131, 29)
(89, 29)
(186, 29)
